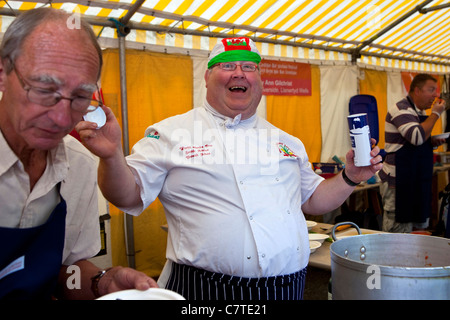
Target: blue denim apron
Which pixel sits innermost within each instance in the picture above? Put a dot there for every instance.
(31, 258)
(414, 174)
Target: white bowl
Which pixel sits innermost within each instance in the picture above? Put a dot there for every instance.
(319, 237)
(150, 294)
(345, 236)
(314, 245)
(310, 224)
(98, 116)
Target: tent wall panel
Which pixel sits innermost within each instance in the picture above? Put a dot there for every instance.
(337, 85)
(375, 83)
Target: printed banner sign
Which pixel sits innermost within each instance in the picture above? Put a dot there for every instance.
(284, 78)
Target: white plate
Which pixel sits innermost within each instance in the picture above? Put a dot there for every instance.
(314, 245)
(150, 294)
(442, 135)
(98, 116)
(310, 224)
(343, 237)
(319, 237)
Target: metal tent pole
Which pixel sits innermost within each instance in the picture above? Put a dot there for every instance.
(122, 31)
(128, 220)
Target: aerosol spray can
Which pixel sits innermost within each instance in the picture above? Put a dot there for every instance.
(360, 138)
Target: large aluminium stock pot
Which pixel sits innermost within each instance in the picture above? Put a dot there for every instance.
(390, 266)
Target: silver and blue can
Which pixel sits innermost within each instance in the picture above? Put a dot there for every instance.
(360, 138)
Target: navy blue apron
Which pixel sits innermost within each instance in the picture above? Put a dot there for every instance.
(31, 258)
(413, 181)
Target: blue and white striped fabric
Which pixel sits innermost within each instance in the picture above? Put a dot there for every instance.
(198, 284)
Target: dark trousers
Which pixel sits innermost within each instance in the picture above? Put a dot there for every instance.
(198, 284)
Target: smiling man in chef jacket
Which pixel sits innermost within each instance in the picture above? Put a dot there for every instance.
(234, 187)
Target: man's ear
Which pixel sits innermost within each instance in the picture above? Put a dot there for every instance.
(207, 72)
(3, 75)
(417, 90)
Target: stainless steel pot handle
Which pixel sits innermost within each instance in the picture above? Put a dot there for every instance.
(342, 224)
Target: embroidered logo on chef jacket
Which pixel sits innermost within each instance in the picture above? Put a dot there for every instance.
(286, 151)
(153, 134)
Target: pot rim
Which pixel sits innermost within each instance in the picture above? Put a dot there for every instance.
(398, 271)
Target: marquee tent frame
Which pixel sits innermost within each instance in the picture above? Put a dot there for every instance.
(174, 22)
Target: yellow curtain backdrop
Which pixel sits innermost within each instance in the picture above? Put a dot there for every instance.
(374, 83)
(158, 86)
(300, 116)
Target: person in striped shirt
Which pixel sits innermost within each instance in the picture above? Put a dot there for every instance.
(408, 166)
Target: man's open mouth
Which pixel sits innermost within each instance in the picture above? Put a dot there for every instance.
(238, 89)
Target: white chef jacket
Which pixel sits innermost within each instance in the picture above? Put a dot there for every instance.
(69, 163)
(232, 191)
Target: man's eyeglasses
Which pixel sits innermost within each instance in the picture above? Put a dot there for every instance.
(48, 98)
(429, 89)
(231, 66)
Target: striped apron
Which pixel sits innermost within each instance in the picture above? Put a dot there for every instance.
(199, 284)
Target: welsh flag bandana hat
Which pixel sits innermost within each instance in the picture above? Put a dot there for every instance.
(234, 49)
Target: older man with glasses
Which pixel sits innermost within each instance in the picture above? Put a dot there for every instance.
(49, 216)
(233, 186)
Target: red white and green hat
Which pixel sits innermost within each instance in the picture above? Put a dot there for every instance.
(234, 49)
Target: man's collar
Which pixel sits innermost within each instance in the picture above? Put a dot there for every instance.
(228, 121)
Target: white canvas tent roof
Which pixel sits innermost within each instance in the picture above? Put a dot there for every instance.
(409, 34)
